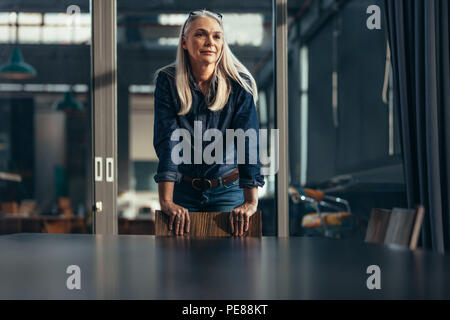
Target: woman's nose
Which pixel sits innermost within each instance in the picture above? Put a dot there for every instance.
(209, 41)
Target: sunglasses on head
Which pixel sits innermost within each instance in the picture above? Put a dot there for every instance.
(196, 12)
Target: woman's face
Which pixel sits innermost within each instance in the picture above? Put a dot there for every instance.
(203, 41)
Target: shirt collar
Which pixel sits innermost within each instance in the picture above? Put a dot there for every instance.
(192, 82)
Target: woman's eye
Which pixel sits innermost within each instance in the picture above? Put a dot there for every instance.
(217, 37)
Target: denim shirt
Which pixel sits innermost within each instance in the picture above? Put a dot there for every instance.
(238, 113)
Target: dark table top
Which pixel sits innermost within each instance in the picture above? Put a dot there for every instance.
(144, 267)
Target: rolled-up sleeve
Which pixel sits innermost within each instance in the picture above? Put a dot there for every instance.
(246, 118)
(165, 122)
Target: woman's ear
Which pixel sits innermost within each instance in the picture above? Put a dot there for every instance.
(183, 42)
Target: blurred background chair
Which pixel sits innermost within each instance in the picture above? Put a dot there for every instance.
(404, 227)
(56, 226)
(377, 226)
(324, 215)
(399, 227)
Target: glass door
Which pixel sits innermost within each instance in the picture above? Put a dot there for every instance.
(45, 118)
(147, 39)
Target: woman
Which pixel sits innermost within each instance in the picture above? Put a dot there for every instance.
(206, 88)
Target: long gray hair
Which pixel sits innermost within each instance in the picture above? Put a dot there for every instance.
(227, 67)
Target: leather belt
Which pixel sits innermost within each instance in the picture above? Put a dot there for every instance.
(202, 184)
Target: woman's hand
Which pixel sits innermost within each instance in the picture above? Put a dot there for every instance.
(179, 217)
(240, 217)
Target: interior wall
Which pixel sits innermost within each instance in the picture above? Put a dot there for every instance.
(322, 136)
(141, 129)
(50, 152)
(360, 138)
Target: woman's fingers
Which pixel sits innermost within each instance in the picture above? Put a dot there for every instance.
(183, 220)
(179, 220)
(177, 224)
(241, 224)
(172, 219)
(247, 222)
(188, 221)
(236, 223)
(239, 221)
(180, 223)
(232, 221)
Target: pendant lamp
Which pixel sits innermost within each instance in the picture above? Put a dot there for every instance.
(17, 68)
(68, 103)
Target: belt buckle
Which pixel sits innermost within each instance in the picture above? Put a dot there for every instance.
(203, 184)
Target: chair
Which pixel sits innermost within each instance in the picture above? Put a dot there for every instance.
(404, 227)
(399, 227)
(336, 223)
(56, 226)
(208, 224)
(136, 226)
(377, 227)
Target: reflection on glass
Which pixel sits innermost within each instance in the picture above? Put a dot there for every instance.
(48, 28)
(45, 182)
(341, 110)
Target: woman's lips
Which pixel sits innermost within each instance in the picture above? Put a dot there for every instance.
(207, 52)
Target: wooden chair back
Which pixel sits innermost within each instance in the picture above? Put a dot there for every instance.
(208, 224)
(56, 226)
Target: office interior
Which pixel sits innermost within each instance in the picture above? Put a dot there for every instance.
(352, 146)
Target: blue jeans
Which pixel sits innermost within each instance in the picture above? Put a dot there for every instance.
(222, 198)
